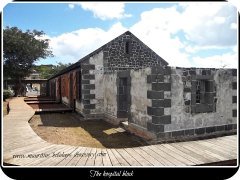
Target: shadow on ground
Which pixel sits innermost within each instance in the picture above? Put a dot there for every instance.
(48, 106)
(71, 129)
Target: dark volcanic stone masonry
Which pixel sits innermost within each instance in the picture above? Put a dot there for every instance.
(86, 87)
(190, 76)
(160, 79)
(127, 51)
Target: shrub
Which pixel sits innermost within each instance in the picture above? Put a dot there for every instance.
(7, 94)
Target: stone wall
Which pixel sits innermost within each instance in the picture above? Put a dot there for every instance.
(91, 104)
(88, 89)
(97, 61)
(110, 97)
(139, 100)
(127, 51)
(160, 97)
(191, 78)
(185, 120)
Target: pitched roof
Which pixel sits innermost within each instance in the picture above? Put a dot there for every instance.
(77, 64)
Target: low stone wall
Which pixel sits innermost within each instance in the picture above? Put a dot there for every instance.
(218, 114)
(173, 108)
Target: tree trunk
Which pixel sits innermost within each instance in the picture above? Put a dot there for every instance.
(19, 88)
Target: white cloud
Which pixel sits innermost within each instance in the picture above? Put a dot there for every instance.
(205, 25)
(77, 44)
(105, 10)
(195, 49)
(164, 19)
(235, 3)
(155, 29)
(233, 26)
(71, 6)
(208, 23)
(219, 20)
(228, 60)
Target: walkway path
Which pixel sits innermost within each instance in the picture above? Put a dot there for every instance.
(21, 141)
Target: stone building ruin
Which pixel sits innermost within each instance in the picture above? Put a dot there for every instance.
(124, 80)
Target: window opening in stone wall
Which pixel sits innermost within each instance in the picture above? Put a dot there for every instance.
(127, 47)
(205, 93)
(200, 91)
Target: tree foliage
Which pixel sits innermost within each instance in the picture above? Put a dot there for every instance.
(21, 50)
(46, 71)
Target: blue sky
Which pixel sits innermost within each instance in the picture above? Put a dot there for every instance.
(184, 34)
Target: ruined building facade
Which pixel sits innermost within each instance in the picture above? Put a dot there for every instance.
(124, 80)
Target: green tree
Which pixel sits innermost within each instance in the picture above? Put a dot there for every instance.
(60, 66)
(47, 71)
(20, 51)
